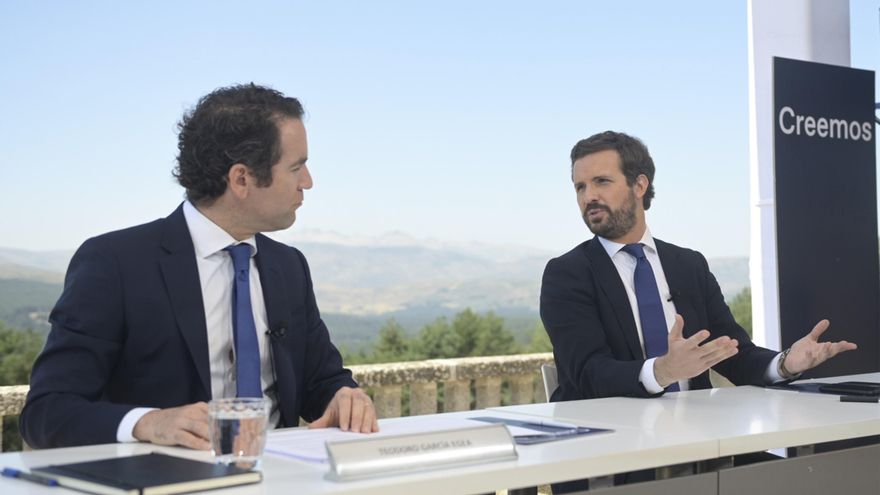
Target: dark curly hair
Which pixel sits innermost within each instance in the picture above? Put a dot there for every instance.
(634, 157)
(235, 124)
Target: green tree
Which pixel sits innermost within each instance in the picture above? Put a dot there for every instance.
(467, 326)
(741, 307)
(469, 334)
(493, 339)
(539, 340)
(358, 356)
(18, 350)
(392, 345)
(436, 340)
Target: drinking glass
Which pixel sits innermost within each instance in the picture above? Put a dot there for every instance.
(238, 430)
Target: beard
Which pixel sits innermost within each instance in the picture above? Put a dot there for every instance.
(616, 223)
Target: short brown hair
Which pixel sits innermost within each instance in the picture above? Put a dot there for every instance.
(634, 157)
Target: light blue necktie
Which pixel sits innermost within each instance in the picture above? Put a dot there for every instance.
(651, 314)
(247, 349)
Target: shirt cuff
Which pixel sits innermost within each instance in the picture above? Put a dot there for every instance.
(771, 375)
(646, 376)
(125, 431)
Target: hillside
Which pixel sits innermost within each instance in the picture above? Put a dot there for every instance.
(362, 282)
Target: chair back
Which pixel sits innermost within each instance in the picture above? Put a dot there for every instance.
(551, 382)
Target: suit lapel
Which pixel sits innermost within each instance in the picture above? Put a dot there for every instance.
(676, 278)
(681, 289)
(608, 279)
(276, 298)
(181, 275)
(274, 293)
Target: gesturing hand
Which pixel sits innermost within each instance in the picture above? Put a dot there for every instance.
(686, 358)
(184, 425)
(351, 410)
(808, 352)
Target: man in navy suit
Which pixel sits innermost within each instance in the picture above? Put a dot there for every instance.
(147, 328)
(631, 315)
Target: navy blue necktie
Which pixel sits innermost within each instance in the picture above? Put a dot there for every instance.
(651, 315)
(247, 349)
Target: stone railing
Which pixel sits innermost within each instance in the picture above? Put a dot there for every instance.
(421, 381)
(419, 387)
(11, 402)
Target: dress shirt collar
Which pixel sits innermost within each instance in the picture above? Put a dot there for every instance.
(208, 238)
(613, 248)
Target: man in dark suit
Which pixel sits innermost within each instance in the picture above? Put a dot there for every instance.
(157, 319)
(630, 315)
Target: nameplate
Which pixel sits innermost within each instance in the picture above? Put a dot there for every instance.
(369, 457)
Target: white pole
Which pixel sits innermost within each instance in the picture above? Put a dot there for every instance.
(813, 30)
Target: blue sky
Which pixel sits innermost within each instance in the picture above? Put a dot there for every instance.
(451, 120)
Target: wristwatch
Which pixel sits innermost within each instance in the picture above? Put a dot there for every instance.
(784, 373)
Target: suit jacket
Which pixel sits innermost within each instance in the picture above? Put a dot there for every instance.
(590, 322)
(129, 330)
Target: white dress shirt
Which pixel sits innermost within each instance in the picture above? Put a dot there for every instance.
(626, 268)
(216, 279)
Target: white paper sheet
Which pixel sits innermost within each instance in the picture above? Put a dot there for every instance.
(309, 445)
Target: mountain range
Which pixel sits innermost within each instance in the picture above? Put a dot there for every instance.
(367, 278)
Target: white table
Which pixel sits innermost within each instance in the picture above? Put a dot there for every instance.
(592, 455)
(740, 419)
(678, 428)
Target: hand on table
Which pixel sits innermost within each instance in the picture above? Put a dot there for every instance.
(351, 410)
(184, 425)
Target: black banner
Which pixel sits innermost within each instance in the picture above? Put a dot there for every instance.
(826, 209)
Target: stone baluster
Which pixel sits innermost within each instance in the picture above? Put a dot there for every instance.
(488, 391)
(423, 398)
(11, 401)
(387, 401)
(522, 389)
(456, 395)
(540, 393)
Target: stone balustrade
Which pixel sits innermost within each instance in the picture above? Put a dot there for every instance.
(421, 386)
(11, 402)
(451, 382)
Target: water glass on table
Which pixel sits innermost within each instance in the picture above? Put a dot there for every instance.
(238, 430)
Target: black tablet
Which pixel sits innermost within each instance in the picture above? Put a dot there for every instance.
(851, 388)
